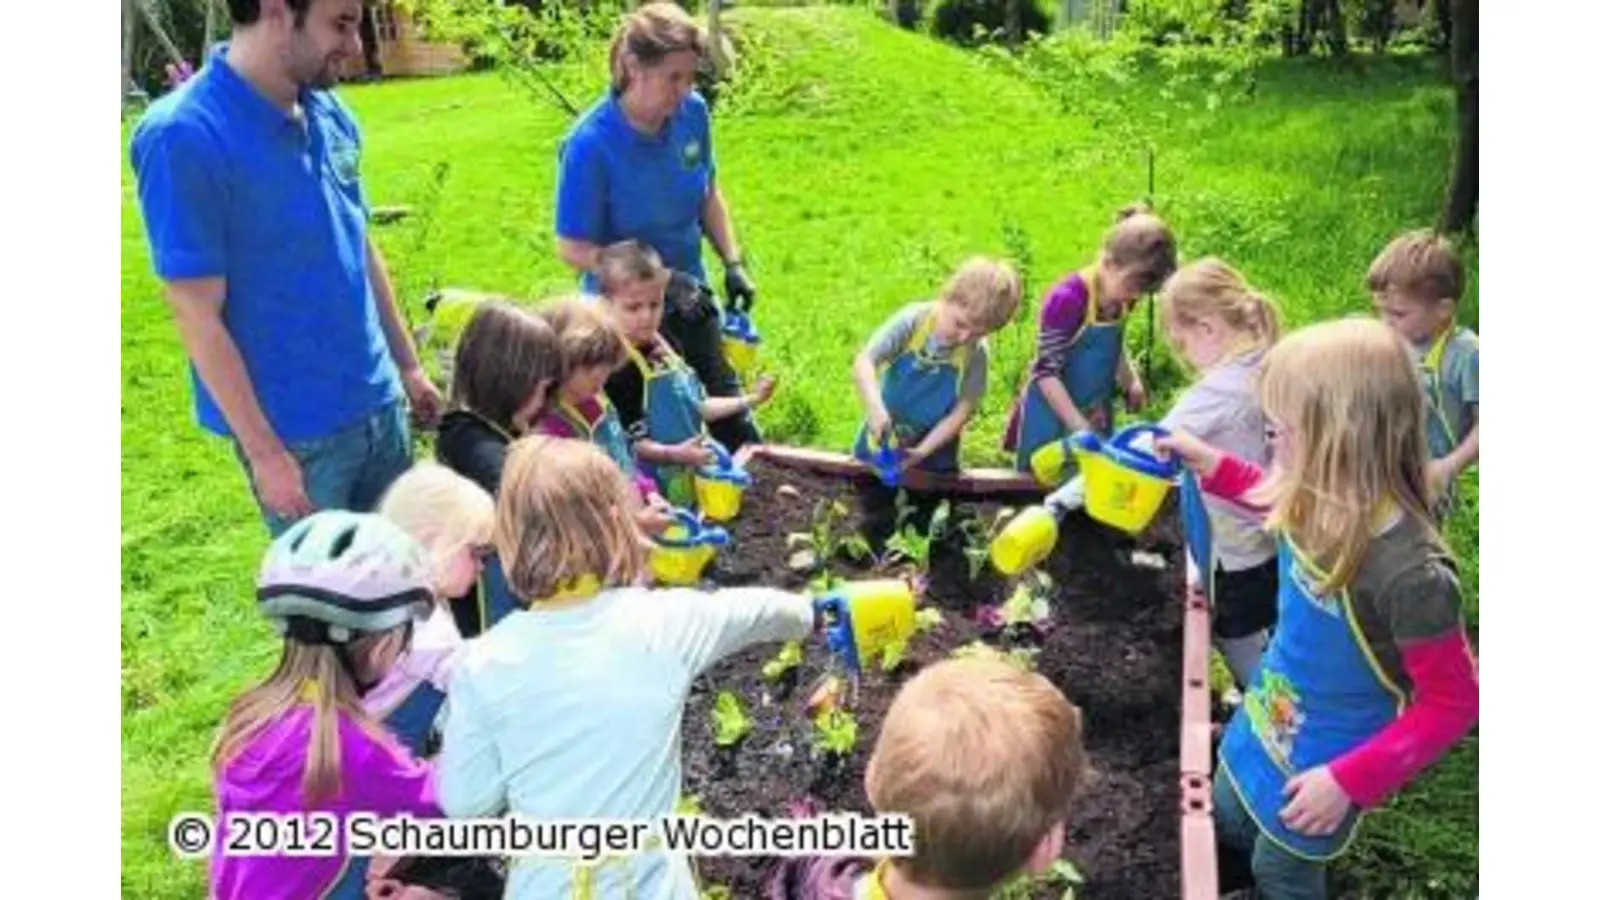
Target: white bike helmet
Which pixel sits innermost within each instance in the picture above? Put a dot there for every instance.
(336, 574)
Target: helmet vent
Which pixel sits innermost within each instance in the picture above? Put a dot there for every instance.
(342, 542)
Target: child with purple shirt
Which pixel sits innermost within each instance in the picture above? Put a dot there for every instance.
(1081, 362)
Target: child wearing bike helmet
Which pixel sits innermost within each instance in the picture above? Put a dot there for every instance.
(344, 590)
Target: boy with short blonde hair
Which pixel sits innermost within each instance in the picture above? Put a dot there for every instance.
(1416, 283)
(922, 376)
(985, 758)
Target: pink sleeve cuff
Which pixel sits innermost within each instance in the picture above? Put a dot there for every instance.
(1232, 479)
(1444, 709)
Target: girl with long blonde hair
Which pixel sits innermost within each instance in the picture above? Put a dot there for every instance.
(1369, 676)
(571, 708)
(344, 589)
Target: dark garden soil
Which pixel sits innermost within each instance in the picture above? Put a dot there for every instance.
(1114, 649)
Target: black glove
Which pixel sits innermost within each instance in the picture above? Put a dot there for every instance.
(740, 290)
(691, 297)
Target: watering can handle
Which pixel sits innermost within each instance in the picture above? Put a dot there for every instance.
(688, 520)
(1125, 438)
(724, 459)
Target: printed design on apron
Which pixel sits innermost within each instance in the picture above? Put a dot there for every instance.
(1275, 716)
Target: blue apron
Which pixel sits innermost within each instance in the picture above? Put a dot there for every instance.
(918, 392)
(1197, 532)
(412, 719)
(495, 600)
(352, 881)
(1089, 374)
(1442, 437)
(606, 433)
(1317, 695)
(672, 398)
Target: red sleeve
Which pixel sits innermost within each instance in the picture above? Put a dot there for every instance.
(1233, 477)
(1446, 706)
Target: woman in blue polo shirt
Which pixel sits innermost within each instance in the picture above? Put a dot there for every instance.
(638, 164)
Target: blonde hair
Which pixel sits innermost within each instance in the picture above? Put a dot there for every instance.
(586, 334)
(442, 510)
(1142, 244)
(1210, 288)
(650, 34)
(565, 512)
(1422, 265)
(984, 757)
(305, 673)
(1353, 398)
(986, 288)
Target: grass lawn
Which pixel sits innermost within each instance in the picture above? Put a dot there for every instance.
(862, 164)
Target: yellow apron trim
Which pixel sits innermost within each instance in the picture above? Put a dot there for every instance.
(1350, 622)
(919, 343)
(874, 888)
(1361, 816)
(579, 423)
(485, 420)
(1432, 363)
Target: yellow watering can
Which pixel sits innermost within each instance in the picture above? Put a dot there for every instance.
(719, 486)
(1124, 485)
(1025, 541)
(682, 552)
(864, 617)
(741, 343)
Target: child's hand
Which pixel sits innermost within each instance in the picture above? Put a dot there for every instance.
(1134, 395)
(1193, 452)
(913, 456)
(693, 452)
(656, 516)
(878, 425)
(766, 385)
(1439, 478)
(1317, 804)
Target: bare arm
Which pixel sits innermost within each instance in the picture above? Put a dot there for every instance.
(1127, 376)
(401, 346)
(719, 225)
(1060, 402)
(947, 429)
(581, 255)
(197, 309)
(866, 379)
(1465, 454)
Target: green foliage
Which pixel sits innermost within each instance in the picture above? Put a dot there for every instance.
(1021, 657)
(1063, 875)
(971, 22)
(836, 732)
(790, 656)
(980, 537)
(916, 547)
(730, 720)
(827, 539)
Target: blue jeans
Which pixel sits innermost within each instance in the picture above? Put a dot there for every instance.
(1279, 874)
(348, 469)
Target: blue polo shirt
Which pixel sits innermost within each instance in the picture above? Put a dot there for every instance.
(616, 182)
(231, 186)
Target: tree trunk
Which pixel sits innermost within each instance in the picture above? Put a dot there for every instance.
(129, 29)
(1461, 205)
(211, 29)
(1333, 28)
(1442, 9)
(1013, 23)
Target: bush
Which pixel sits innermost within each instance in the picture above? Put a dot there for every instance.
(980, 21)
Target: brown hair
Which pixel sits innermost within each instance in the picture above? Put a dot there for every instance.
(987, 288)
(565, 511)
(1143, 244)
(984, 757)
(504, 352)
(649, 34)
(1353, 399)
(627, 261)
(1211, 287)
(1422, 265)
(586, 334)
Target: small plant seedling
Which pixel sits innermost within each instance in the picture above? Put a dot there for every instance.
(1021, 657)
(927, 619)
(826, 540)
(1028, 606)
(731, 723)
(689, 805)
(790, 656)
(916, 547)
(980, 537)
(836, 732)
(1061, 874)
(717, 892)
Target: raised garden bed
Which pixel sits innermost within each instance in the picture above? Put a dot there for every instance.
(1115, 643)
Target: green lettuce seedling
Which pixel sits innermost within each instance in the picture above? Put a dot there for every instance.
(836, 732)
(788, 657)
(731, 723)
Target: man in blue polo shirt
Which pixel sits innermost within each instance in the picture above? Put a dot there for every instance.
(250, 183)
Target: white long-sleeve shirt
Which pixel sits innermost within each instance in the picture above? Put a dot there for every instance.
(575, 712)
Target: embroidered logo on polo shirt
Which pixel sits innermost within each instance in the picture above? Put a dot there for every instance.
(345, 157)
(692, 153)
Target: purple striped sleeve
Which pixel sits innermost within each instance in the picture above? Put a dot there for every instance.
(1060, 317)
